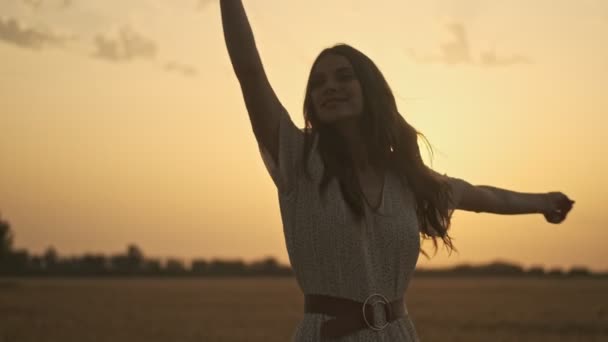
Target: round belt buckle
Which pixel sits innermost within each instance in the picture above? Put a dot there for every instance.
(382, 300)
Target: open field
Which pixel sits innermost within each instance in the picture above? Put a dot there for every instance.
(268, 309)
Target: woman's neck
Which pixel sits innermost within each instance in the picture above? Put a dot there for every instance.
(350, 132)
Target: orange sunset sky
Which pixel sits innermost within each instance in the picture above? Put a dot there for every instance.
(122, 121)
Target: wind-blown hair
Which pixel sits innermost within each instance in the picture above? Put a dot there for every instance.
(392, 144)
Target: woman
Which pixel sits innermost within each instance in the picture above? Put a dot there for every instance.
(354, 193)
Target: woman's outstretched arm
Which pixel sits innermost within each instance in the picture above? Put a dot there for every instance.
(484, 198)
(262, 104)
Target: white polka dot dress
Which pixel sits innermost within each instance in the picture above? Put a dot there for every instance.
(331, 253)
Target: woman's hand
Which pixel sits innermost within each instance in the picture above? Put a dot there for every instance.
(557, 206)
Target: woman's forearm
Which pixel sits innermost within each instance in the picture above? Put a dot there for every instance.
(507, 202)
(239, 38)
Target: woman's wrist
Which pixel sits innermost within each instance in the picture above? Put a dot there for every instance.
(542, 203)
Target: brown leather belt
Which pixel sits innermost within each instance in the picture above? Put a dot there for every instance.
(352, 316)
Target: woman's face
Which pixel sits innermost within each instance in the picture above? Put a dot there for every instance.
(335, 90)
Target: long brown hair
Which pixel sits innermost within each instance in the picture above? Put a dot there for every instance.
(391, 142)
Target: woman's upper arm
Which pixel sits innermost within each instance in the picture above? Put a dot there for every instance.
(462, 193)
(279, 140)
(264, 109)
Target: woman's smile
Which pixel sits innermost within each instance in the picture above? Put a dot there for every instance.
(332, 103)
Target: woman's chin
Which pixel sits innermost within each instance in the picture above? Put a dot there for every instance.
(334, 117)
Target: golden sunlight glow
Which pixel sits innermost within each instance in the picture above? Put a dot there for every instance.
(151, 143)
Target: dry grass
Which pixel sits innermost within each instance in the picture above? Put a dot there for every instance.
(267, 309)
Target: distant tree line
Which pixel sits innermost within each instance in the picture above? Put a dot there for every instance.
(134, 263)
(131, 263)
(499, 268)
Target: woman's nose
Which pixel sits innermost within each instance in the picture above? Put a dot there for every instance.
(330, 86)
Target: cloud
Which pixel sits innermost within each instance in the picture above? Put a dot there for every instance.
(458, 51)
(37, 4)
(12, 31)
(490, 59)
(127, 46)
(66, 4)
(186, 70)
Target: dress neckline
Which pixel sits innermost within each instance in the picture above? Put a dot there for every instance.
(379, 209)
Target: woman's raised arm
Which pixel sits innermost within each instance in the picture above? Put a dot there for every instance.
(262, 104)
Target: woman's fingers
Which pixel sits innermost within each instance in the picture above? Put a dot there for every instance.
(561, 206)
(554, 217)
(560, 202)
